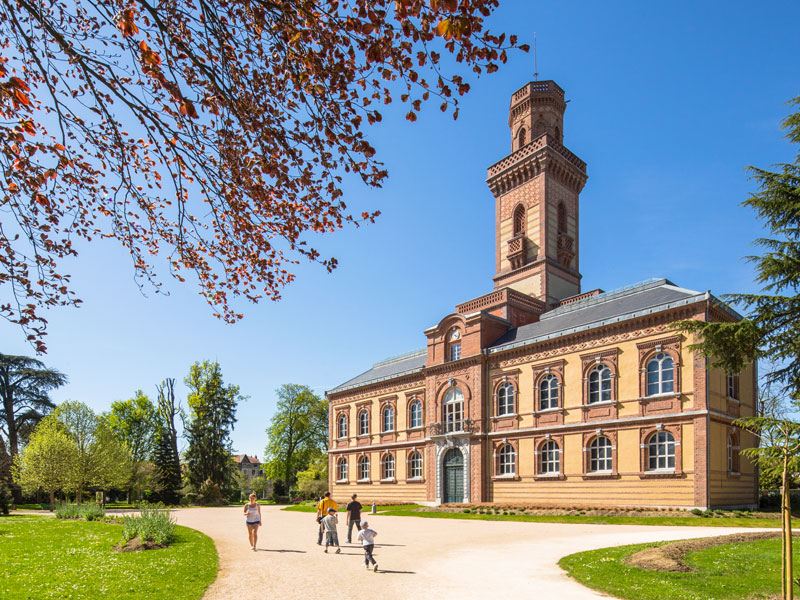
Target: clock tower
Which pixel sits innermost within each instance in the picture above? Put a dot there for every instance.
(536, 190)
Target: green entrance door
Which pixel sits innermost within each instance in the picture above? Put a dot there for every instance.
(453, 466)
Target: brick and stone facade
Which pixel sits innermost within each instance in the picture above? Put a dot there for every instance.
(537, 393)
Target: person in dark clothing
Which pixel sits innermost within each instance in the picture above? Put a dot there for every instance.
(353, 509)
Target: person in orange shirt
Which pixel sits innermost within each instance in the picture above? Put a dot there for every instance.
(322, 510)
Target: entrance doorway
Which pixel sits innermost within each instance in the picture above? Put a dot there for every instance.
(453, 476)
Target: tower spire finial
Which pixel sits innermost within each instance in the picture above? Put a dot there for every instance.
(535, 67)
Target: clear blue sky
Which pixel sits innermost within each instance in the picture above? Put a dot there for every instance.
(669, 104)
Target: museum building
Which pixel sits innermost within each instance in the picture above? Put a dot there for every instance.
(538, 394)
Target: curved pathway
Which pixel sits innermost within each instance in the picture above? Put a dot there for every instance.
(418, 558)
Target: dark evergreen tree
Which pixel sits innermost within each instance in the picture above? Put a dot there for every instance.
(25, 384)
(771, 329)
(165, 447)
(213, 415)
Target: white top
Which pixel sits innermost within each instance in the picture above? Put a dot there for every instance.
(329, 522)
(252, 512)
(367, 536)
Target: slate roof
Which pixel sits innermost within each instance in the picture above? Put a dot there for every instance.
(651, 296)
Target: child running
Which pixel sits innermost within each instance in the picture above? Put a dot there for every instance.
(329, 523)
(252, 511)
(367, 537)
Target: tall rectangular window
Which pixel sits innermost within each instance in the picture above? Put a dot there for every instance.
(455, 351)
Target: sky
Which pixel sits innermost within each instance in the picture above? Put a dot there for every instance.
(668, 105)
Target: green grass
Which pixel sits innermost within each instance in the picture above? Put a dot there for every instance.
(742, 571)
(595, 520)
(47, 558)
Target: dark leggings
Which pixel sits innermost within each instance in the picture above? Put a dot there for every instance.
(368, 554)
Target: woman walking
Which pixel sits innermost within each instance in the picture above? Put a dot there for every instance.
(252, 511)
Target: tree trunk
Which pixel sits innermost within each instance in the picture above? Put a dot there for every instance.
(52, 500)
(787, 586)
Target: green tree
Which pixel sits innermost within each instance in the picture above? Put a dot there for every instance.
(313, 481)
(297, 432)
(24, 387)
(260, 485)
(771, 329)
(166, 459)
(101, 459)
(47, 459)
(134, 422)
(212, 417)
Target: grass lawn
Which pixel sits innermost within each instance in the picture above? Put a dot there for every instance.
(690, 521)
(742, 571)
(52, 558)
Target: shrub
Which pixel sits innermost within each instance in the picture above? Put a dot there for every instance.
(5, 498)
(467, 510)
(88, 511)
(312, 488)
(211, 495)
(190, 498)
(153, 524)
(697, 512)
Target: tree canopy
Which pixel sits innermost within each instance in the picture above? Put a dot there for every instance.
(213, 415)
(212, 133)
(297, 433)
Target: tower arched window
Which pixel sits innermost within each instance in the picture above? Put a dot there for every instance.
(600, 384)
(341, 426)
(519, 220)
(505, 400)
(387, 419)
(453, 410)
(548, 392)
(660, 374)
(507, 460)
(522, 138)
(415, 414)
(562, 218)
(661, 451)
(363, 422)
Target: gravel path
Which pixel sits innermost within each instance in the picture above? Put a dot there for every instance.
(418, 558)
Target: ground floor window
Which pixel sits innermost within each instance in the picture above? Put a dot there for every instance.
(415, 466)
(600, 458)
(550, 459)
(363, 469)
(507, 458)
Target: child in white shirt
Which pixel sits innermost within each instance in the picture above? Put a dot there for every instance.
(367, 537)
(331, 535)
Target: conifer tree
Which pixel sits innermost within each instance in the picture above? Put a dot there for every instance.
(165, 447)
(771, 328)
(213, 415)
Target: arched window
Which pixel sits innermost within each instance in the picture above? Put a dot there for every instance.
(548, 393)
(387, 467)
(453, 410)
(550, 459)
(600, 458)
(507, 460)
(522, 137)
(341, 426)
(600, 384)
(505, 399)
(415, 414)
(519, 220)
(562, 218)
(733, 453)
(660, 374)
(363, 422)
(363, 468)
(558, 135)
(341, 469)
(732, 385)
(538, 129)
(454, 344)
(661, 451)
(415, 466)
(387, 420)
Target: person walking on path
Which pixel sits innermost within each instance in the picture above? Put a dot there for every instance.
(329, 523)
(252, 511)
(322, 511)
(367, 537)
(353, 509)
